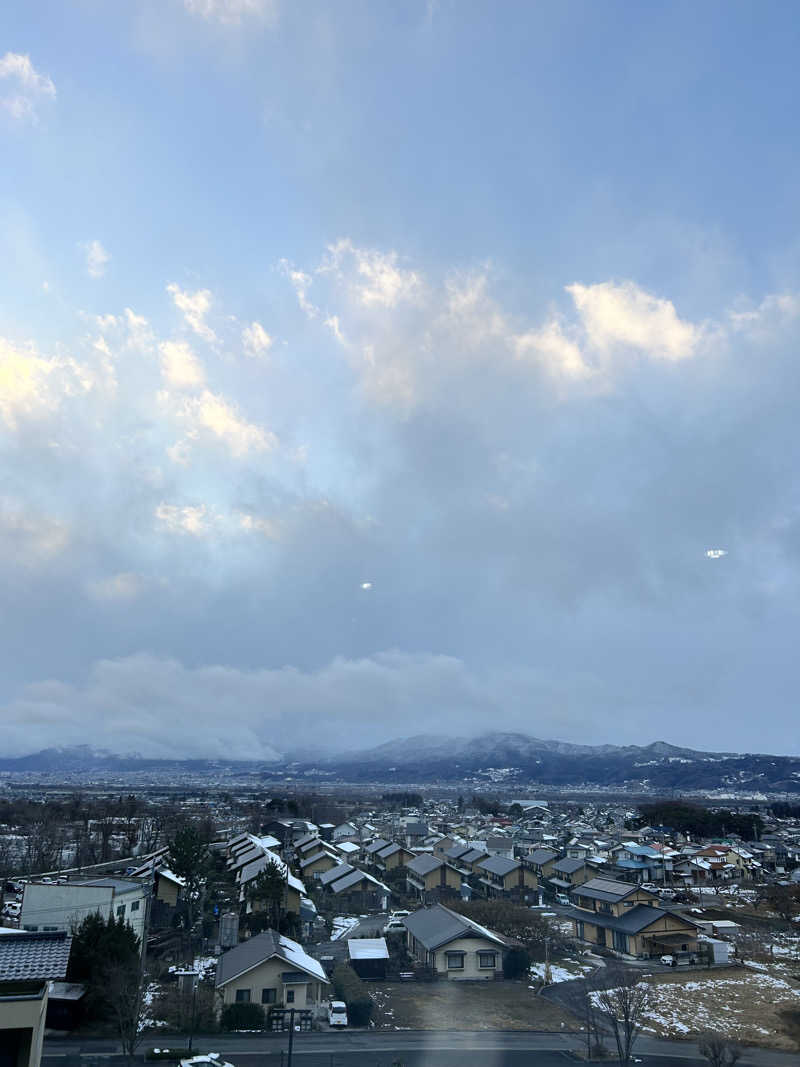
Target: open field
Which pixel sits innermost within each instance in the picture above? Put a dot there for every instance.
(749, 1004)
(465, 1005)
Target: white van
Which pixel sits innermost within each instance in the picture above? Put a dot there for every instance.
(562, 898)
(337, 1013)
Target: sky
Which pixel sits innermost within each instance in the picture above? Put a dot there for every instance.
(372, 369)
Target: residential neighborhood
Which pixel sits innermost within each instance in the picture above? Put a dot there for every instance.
(271, 916)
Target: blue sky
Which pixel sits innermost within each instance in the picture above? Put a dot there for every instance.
(394, 367)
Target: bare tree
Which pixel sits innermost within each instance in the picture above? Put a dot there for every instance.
(623, 1001)
(718, 1050)
(582, 1004)
(125, 994)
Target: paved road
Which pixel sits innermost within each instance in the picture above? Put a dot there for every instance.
(413, 1048)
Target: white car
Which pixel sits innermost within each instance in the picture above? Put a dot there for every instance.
(562, 898)
(399, 915)
(337, 1013)
(394, 926)
(668, 961)
(203, 1061)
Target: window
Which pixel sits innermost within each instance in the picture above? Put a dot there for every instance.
(135, 905)
(242, 996)
(290, 996)
(121, 911)
(49, 929)
(269, 996)
(604, 906)
(620, 941)
(579, 926)
(455, 961)
(487, 959)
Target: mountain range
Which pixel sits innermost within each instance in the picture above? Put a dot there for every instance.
(490, 760)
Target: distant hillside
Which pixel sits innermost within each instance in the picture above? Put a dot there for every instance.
(513, 757)
(489, 761)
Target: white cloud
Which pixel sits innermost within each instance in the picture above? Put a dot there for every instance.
(189, 519)
(377, 280)
(30, 87)
(214, 416)
(32, 385)
(180, 367)
(157, 705)
(232, 12)
(550, 346)
(333, 324)
(301, 283)
(270, 528)
(255, 339)
(195, 306)
(623, 314)
(96, 259)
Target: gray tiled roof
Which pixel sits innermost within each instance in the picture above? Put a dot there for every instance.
(457, 851)
(335, 873)
(608, 889)
(499, 865)
(424, 864)
(569, 865)
(632, 922)
(543, 855)
(472, 855)
(438, 925)
(34, 955)
(248, 954)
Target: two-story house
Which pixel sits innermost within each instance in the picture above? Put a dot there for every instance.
(624, 918)
(432, 878)
(502, 877)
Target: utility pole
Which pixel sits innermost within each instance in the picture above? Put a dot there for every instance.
(291, 1036)
(548, 975)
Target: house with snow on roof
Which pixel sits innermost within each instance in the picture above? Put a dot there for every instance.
(272, 970)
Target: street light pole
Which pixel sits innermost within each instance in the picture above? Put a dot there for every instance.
(291, 1036)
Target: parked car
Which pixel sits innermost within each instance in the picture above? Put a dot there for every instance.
(337, 1013)
(668, 961)
(394, 926)
(212, 1058)
(562, 898)
(398, 914)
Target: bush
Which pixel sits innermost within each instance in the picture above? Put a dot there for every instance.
(242, 1017)
(516, 963)
(347, 986)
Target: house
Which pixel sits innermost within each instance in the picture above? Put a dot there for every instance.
(358, 891)
(349, 850)
(346, 831)
(23, 1010)
(317, 863)
(295, 890)
(272, 970)
(368, 956)
(168, 886)
(541, 861)
(454, 946)
(47, 907)
(622, 917)
(432, 877)
(36, 958)
(393, 856)
(374, 847)
(501, 877)
(569, 872)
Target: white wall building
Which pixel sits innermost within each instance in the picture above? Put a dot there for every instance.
(62, 907)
